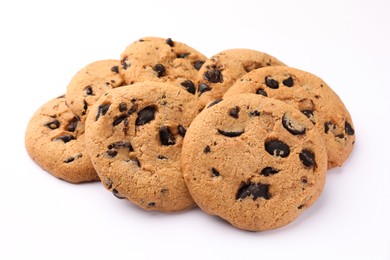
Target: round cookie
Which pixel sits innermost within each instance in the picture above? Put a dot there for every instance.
(221, 71)
(55, 140)
(90, 83)
(313, 97)
(254, 161)
(134, 137)
(161, 60)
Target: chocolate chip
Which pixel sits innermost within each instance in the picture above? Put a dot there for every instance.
(271, 83)
(102, 110)
(133, 109)
(292, 125)
(119, 120)
(145, 115)
(341, 136)
(230, 134)
(203, 88)
(125, 64)
(161, 157)
(307, 158)
(169, 42)
(160, 69)
(328, 126)
(88, 90)
(215, 172)
(182, 130)
(108, 182)
(111, 152)
(214, 102)
(182, 55)
(189, 86)
(207, 149)
(122, 107)
(198, 64)
(262, 92)
(166, 137)
(233, 112)
(277, 148)
(115, 69)
(213, 75)
(65, 138)
(289, 82)
(301, 206)
(73, 124)
(53, 124)
(348, 129)
(69, 160)
(254, 113)
(267, 171)
(117, 194)
(121, 144)
(85, 107)
(308, 113)
(253, 190)
(152, 204)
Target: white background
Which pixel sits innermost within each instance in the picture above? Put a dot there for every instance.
(43, 43)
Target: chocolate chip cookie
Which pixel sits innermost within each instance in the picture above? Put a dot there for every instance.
(313, 97)
(55, 140)
(254, 161)
(90, 83)
(161, 60)
(221, 71)
(134, 137)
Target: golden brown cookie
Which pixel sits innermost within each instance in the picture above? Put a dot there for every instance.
(134, 137)
(90, 83)
(221, 71)
(254, 161)
(313, 97)
(55, 140)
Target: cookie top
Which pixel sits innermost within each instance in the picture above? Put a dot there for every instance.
(254, 161)
(134, 137)
(161, 60)
(55, 140)
(313, 97)
(221, 71)
(90, 83)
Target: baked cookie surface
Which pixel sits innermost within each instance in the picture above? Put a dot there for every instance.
(313, 97)
(134, 137)
(55, 140)
(253, 161)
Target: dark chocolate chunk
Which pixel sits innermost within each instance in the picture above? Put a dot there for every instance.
(133, 109)
(289, 82)
(65, 138)
(267, 171)
(277, 148)
(182, 131)
(214, 102)
(213, 75)
(307, 158)
(233, 112)
(162, 157)
(121, 144)
(122, 107)
(301, 206)
(69, 160)
(198, 64)
(254, 113)
(53, 124)
(215, 172)
(108, 182)
(85, 107)
(262, 92)
(166, 137)
(189, 86)
(182, 55)
(253, 190)
(230, 134)
(102, 110)
(160, 69)
(115, 69)
(119, 120)
(203, 88)
(152, 204)
(308, 113)
(117, 194)
(341, 136)
(271, 83)
(125, 64)
(348, 129)
(207, 149)
(88, 90)
(328, 126)
(112, 152)
(292, 125)
(169, 42)
(73, 124)
(145, 115)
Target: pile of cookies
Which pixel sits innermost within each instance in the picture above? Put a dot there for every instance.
(240, 134)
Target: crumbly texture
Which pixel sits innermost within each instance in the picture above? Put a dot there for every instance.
(161, 60)
(221, 71)
(55, 140)
(134, 137)
(254, 161)
(90, 83)
(313, 97)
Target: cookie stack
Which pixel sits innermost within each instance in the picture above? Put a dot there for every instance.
(240, 134)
